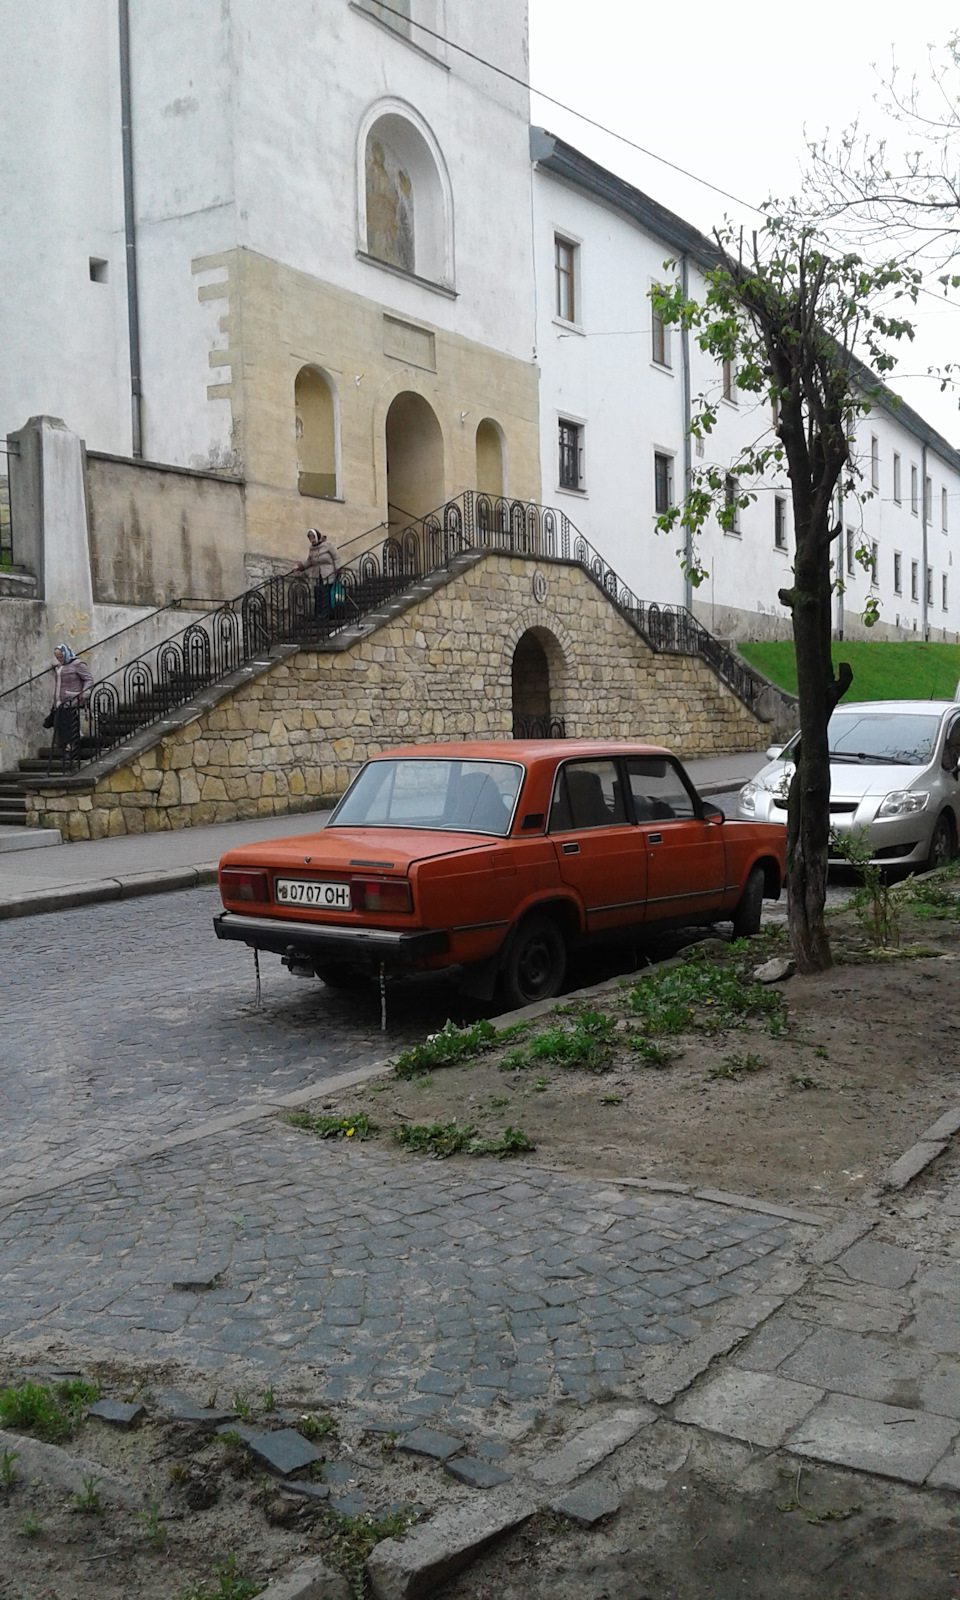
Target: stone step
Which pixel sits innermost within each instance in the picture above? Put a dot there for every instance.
(23, 838)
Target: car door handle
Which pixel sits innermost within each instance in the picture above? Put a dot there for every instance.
(654, 838)
(571, 849)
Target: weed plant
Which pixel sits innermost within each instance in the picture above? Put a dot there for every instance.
(734, 1066)
(447, 1048)
(50, 1411)
(315, 1427)
(586, 1046)
(87, 1498)
(349, 1540)
(698, 996)
(231, 1584)
(359, 1127)
(8, 1472)
(442, 1139)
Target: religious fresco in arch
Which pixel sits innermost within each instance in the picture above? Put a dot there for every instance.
(390, 235)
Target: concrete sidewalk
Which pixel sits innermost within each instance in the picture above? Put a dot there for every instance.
(54, 879)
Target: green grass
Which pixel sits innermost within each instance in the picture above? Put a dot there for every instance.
(448, 1047)
(697, 997)
(586, 1045)
(51, 1412)
(883, 669)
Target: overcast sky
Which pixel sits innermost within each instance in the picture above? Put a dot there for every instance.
(732, 93)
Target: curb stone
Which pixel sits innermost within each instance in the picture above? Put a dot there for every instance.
(58, 1469)
(39, 901)
(437, 1550)
(312, 1581)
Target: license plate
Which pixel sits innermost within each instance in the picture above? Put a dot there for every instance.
(308, 892)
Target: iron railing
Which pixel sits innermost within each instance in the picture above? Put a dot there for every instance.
(295, 610)
(539, 727)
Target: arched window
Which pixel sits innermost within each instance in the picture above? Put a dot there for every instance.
(316, 434)
(406, 212)
(490, 473)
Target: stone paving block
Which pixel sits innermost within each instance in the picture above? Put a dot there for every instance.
(426, 1442)
(758, 1407)
(588, 1503)
(284, 1451)
(432, 1553)
(309, 1491)
(872, 1437)
(772, 1343)
(886, 1265)
(339, 1472)
(937, 1326)
(475, 1473)
(829, 1244)
(944, 1127)
(766, 1208)
(349, 1505)
(940, 1391)
(578, 1454)
(179, 1407)
(944, 1280)
(121, 1413)
(946, 1474)
(312, 1580)
(855, 1364)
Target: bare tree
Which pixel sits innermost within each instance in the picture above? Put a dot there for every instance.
(799, 324)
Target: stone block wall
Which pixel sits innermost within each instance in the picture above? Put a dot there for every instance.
(293, 738)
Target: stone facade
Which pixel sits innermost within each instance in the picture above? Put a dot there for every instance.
(292, 738)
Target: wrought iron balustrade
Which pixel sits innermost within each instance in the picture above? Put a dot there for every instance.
(539, 728)
(295, 610)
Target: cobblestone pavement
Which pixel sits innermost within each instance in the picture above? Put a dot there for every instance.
(128, 1022)
(408, 1287)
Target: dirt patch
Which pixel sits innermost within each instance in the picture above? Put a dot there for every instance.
(812, 1107)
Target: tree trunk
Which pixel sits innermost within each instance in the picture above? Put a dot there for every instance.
(808, 810)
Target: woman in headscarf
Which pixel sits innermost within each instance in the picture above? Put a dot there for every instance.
(71, 690)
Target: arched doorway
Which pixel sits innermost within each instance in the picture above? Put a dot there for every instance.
(533, 708)
(489, 458)
(415, 483)
(316, 434)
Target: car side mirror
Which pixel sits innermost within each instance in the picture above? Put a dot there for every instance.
(774, 752)
(712, 813)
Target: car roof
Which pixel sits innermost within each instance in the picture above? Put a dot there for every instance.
(524, 750)
(939, 706)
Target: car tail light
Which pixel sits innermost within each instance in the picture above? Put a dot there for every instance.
(381, 894)
(244, 883)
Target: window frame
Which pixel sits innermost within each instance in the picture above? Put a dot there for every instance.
(631, 819)
(874, 461)
(897, 480)
(579, 428)
(780, 522)
(659, 334)
(667, 459)
(944, 591)
(728, 381)
(944, 512)
(914, 490)
(874, 561)
(915, 581)
(851, 553)
(898, 572)
(563, 241)
(731, 489)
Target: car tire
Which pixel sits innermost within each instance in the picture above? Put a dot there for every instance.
(943, 844)
(746, 917)
(339, 975)
(535, 964)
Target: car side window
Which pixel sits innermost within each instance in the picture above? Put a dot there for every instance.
(951, 746)
(659, 794)
(587, 794)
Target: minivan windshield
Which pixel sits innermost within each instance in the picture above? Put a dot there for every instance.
(428, 792)
(894, 738)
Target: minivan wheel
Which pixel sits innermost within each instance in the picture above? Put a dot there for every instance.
(942, 845)
(536, 962)
(746, 917)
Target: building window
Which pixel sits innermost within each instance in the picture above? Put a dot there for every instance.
(943, 591)
(914, 491)
(731, 490)
(571, 455)
(928, 500)
(943, 509)
(396, 15)
(729, 381)
(700, 444)
(662, 482)
(897, 572)
(850, 553)
(896, 479)
(779, 522)
(914, 580)
(99, 269)
(565, 256)
(873, 564)
(661, 341)
(874, 461)
(929, 586)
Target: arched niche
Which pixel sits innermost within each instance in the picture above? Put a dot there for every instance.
(536, 677)
(405, 201)
(415, 479)
(491, 477)
(316, 412)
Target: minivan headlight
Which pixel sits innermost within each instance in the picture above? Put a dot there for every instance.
(902, 802)
(748, 798)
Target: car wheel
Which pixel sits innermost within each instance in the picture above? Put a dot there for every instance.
(536, 963)
(746, 917)
(942, 845)
(339, 975)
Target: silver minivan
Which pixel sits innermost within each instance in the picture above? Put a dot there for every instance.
(894, 772)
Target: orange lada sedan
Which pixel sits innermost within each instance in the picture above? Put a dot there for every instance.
(499, 858)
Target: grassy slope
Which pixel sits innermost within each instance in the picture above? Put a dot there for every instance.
(885, 670)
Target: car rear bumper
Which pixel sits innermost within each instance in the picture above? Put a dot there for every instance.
(370, 945)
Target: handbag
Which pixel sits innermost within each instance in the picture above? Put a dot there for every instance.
(50, 719)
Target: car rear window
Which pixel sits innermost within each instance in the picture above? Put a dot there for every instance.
(905, 738)
(427, 792)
